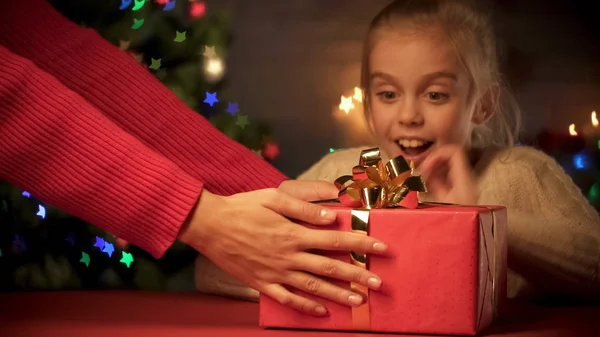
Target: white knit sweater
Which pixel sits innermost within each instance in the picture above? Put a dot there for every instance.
(553, 231)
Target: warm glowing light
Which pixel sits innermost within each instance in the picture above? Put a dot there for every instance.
(572, 131)
(197, 9)
(214, 68)
(346, 105)
(358, 95)
(594, 119)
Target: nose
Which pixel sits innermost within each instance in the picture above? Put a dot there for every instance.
(409, 114)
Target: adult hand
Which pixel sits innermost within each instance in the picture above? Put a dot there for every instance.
(250, 236)
(449, 176)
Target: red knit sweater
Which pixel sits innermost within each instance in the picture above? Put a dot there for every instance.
(86, 129)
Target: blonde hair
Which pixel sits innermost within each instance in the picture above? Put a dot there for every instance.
(471, 35)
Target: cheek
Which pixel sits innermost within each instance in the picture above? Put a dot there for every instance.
(452, 126)
(381, 120)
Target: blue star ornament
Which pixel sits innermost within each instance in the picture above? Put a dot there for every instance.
(99, 243)
(109, 248)
(232, 108)
(41, 212)
(211, 98)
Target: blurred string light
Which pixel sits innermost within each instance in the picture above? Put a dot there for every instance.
(594, 193)
(347, 103)
(572, 130)
(197, 9)
(104, 246)
(581, 161)
(214, 67)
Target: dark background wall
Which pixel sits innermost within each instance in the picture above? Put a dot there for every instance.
(292, 60)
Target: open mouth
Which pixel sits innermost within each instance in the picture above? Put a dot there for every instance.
(413, 148)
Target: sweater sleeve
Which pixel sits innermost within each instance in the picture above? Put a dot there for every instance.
(132, 98)
(553, 231)
(333, 165)
(66, 153)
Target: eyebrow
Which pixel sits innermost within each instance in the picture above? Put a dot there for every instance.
(428, 77)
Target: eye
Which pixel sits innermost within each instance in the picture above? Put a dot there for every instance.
(387, 95)
(437, 96)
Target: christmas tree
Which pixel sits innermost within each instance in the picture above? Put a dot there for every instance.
(184, 44)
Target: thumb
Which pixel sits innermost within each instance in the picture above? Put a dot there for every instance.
(309, 190)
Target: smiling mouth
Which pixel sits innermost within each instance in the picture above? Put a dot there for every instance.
(413, 147)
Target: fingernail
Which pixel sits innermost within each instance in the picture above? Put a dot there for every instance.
(374, 282)
(379, 247)
(320, 310)
(355, 299)
(327, 214)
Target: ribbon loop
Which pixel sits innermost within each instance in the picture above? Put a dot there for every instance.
(373, 185)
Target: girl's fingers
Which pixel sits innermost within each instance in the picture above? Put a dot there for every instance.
(287, 298)
(316, 286)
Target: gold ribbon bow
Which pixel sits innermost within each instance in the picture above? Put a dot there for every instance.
(373, 185)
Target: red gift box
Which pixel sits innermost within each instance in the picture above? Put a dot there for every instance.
(445, 274)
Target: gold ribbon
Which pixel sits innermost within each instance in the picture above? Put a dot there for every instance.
(373, 185)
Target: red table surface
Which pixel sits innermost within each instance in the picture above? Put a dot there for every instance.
(108, 314)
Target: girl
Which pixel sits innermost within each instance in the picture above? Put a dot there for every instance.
(433, 94)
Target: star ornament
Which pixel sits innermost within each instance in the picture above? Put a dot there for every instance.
(155, 64)
(271, 151)
(169, 5)
(127, 259)
(242, 121)
(85, 259)
(139, 58)
(109, 249)
(180, 36)
(209, 51)
(211, 98)
(137, 23)
(99, 243)
(41, 212)
(232, 108)
(138, 5)
(124, 45)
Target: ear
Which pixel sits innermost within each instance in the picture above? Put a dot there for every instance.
(488, 104)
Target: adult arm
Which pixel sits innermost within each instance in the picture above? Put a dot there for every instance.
(132, 98)
(65, 152)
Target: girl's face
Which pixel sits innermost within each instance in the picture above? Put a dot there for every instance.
(418, 95)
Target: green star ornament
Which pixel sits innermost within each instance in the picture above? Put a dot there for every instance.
(127, 259)
(242, 121)
(85, 258)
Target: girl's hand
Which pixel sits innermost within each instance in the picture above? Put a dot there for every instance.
(448, 176)
(249, 235)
